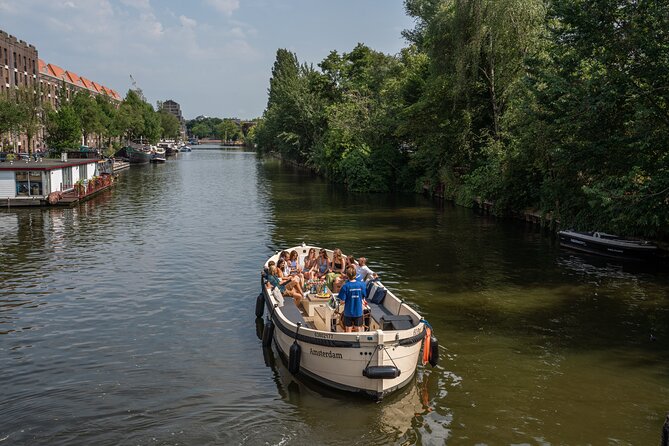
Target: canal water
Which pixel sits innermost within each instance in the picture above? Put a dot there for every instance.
(130, 319)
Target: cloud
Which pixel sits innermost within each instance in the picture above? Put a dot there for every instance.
(237, 32)
(151, 26)
(187, 22)
(227, 7)
(105, 40)
(138, 4)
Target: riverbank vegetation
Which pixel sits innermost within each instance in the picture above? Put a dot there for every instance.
(233, 130)
(560, 107)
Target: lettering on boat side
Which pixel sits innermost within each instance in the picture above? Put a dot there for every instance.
(324, 335)
(325, 354)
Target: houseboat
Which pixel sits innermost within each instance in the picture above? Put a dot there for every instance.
(139, 154)
(310, 336)
(32, 183)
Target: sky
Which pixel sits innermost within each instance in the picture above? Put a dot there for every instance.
(214, 57)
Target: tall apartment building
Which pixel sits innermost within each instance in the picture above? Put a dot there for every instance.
(175, 109)
(18, 68)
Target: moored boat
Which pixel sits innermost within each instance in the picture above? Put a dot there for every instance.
(157, 155)
(608, 245)
(138, 155)
(374, 362)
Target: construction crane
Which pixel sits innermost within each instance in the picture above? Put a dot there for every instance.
(137, 89)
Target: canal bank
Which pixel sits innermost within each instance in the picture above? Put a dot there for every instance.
(546, 221)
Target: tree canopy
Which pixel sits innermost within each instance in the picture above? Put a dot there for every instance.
(558, 106)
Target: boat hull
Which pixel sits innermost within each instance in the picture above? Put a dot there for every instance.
(136, 156)
(610, 246)
(373, 363)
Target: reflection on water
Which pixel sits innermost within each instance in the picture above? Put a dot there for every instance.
(129, 319)
(393, 420)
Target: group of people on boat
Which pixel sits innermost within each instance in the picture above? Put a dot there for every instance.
(343, 275)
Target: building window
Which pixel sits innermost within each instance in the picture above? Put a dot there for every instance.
(29, 184)
(83, 171)
(67, 178)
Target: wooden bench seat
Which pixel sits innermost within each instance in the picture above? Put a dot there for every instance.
(291, 311)
(388, 321)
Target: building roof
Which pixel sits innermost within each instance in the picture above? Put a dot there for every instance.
(44, 164)
(56, 71)
(87, 83)
(74, 78)
(42, 66)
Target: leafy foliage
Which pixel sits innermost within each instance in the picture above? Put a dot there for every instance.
(559, 106)
(63, 129)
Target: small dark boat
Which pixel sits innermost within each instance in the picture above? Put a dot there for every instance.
(138, 155)
(608, 245)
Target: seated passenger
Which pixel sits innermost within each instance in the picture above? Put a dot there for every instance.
(288, 287)
(338, 275)
(364, 274)
(309, 266)
(284, 255)
(265, 271)
(322, 264)
(294, 267)
(284, 270)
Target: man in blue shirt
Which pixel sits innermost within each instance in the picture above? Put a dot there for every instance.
(352, 293)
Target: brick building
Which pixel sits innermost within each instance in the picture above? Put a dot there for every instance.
(21, 66)
(18, 68)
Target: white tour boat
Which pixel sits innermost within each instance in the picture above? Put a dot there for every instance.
(375, 362)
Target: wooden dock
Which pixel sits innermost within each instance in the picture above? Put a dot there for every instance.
(120, 165)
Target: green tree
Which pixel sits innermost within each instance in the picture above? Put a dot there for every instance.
(136, 119)
(229, 130)
(108, 129)
(201, 130)
(477, 55)
(294, 119)
(600, 116)
(152, 123)
(88, 112)
(169, 125)
(10, 114)
(63, 129)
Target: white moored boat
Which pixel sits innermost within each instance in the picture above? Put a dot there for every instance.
(374, 362)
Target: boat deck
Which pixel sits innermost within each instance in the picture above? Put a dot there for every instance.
(313, 312)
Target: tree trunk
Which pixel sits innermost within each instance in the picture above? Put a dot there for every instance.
(493, 93)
